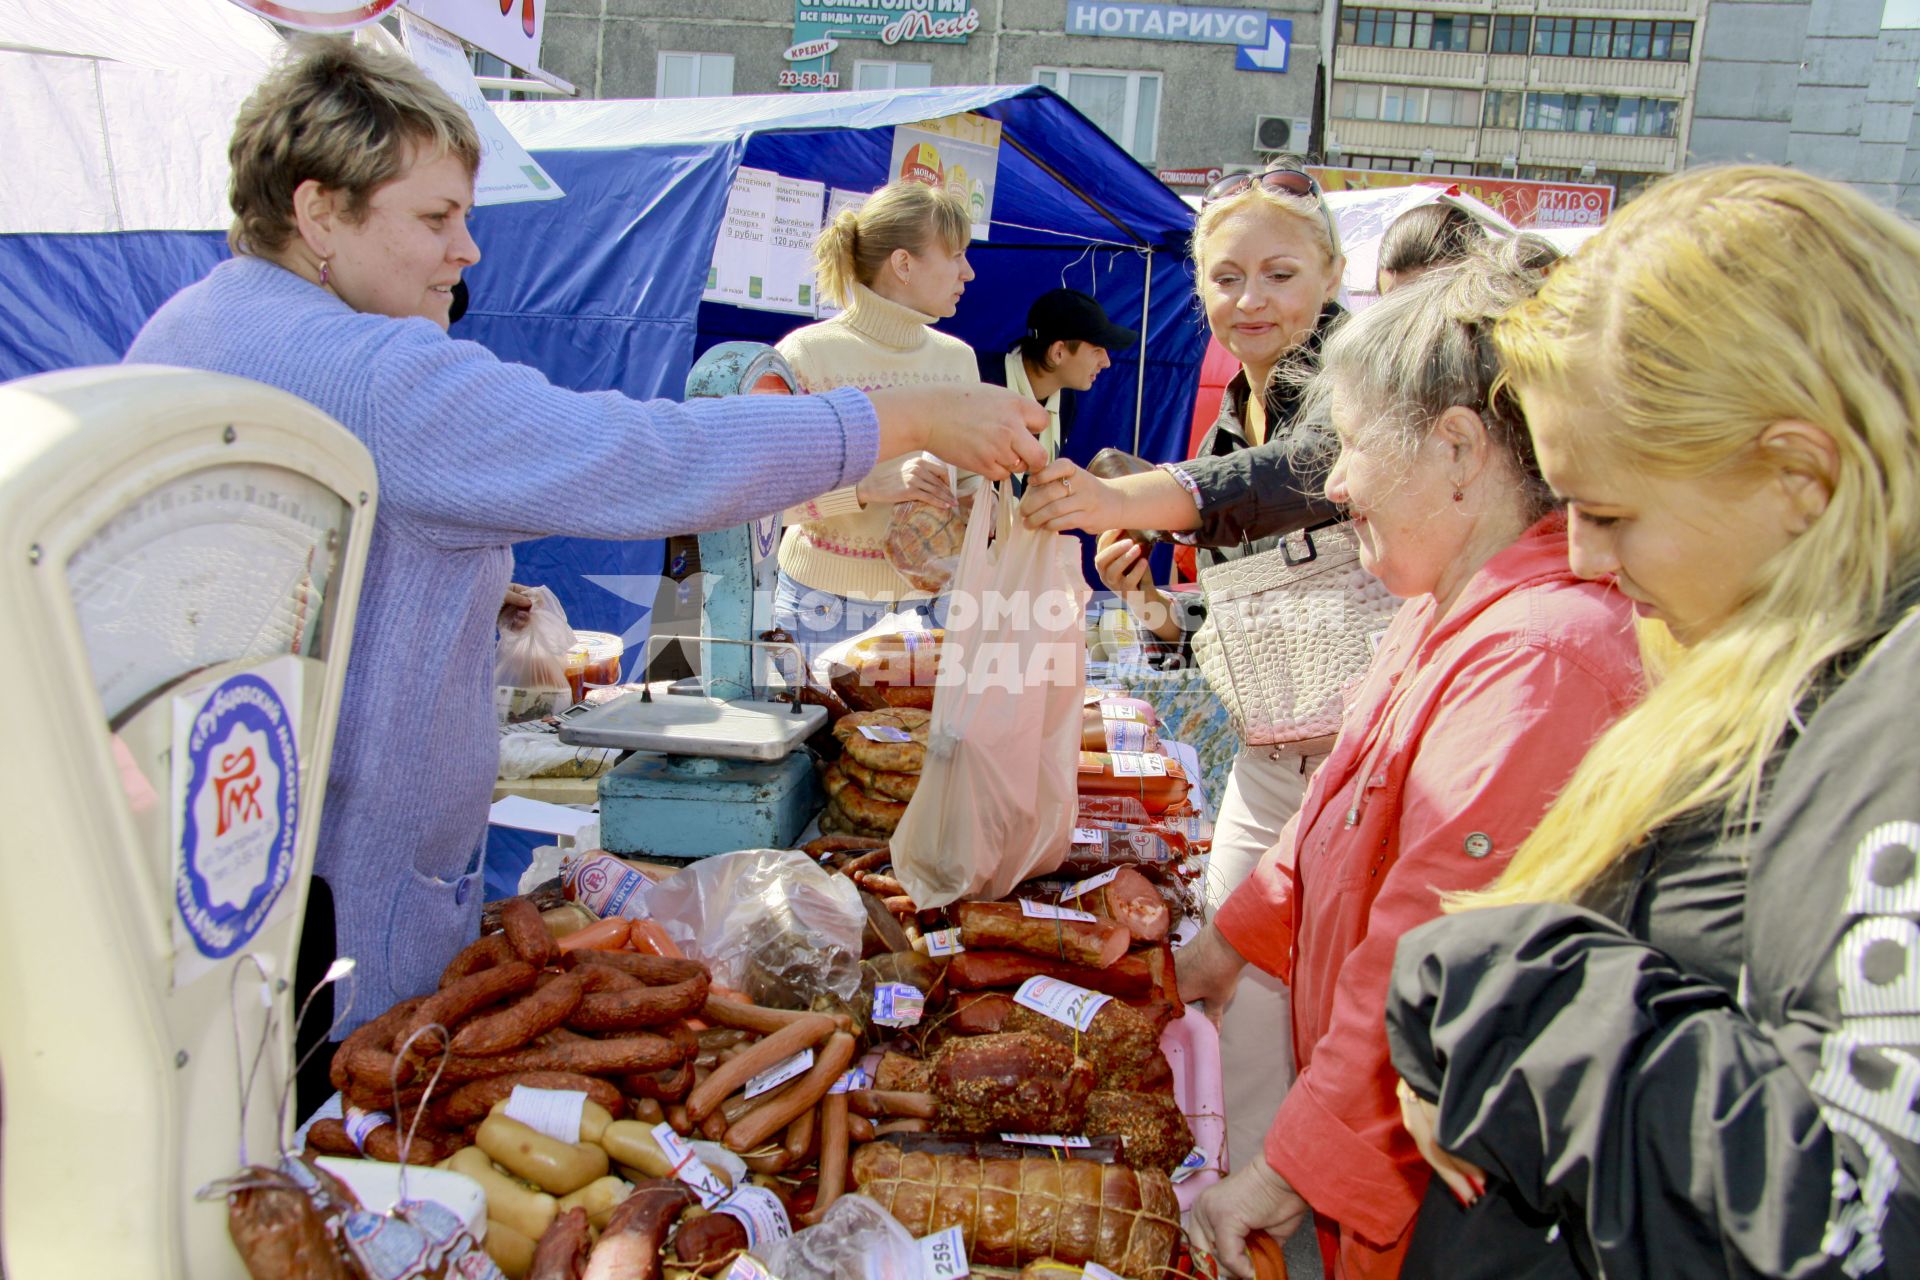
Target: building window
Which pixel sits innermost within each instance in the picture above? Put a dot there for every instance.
(1415, 29)
(1125, 104)
(1602, 113)
(1634, 39)
(694, 75)
(1510, 34)
(892, 75)
(1405, 104)
(1501, 109)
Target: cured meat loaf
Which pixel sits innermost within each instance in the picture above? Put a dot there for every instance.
(1005, 925)
(1152, 1132)
(1139, 775)
(1120, 1043)
(1018, 1082)
(1131, 901)
(1130, 978)
(1014, 1211)
(889, 757)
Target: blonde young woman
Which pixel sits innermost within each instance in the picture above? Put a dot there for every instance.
(896, 265)
(1268, 257)
(1679, 1037)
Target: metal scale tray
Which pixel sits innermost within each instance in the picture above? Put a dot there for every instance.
(691, 724)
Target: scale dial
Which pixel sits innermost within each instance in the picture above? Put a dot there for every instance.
(231, 562)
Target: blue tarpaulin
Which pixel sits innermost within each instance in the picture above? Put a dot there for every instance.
(601, 290)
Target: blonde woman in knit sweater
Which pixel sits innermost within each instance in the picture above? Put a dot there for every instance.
(896, 265)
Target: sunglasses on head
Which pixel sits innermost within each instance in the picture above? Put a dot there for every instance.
(1286, 178)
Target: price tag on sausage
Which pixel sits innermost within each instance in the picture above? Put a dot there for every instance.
(690, 1168)
(945, 1254)
(1047, 911)
(1089, 835)
(944, 942)
(1094, 1271)
(779, 1073)
(759, 1211)
(896, 1004)
(852, 1078)
(747, 1267)
(1119, 711)
(1139, 764)
(1068, 1141)
(554, 1112)
(1061, 1001)
(884, 733)
(1091, 883)
(1196, 1161)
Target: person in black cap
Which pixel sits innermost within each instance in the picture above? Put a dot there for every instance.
(1063, 350)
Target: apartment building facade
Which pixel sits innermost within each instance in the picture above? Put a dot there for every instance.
(1559, 90)
(1184, 88)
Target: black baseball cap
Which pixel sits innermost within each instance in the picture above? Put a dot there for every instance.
(1067, 315)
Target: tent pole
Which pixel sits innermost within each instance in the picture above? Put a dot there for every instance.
(1140, 386)
(1008, 138)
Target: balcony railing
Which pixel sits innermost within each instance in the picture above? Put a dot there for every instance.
(1410, 66)
(1365, 137)
(1623, 76)
(1491, 146)
(1605, 150)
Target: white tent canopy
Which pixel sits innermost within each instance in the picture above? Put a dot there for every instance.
(117, 116)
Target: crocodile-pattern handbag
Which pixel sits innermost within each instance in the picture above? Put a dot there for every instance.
(1287, 630)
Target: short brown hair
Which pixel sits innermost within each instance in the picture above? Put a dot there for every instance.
(342, 115)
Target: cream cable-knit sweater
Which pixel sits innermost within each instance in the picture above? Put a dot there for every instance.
(832, 543)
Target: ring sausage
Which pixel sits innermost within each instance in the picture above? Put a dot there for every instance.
(527, 932)
(484, 953)
(366, 1052)
(613, 1057)
(472, 1102)
(548, 1007)
(448, 1006)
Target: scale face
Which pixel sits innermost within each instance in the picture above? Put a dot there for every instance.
(182, 555)
(231, 562)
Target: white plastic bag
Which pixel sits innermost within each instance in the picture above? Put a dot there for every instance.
(530, 663)
(996, 797)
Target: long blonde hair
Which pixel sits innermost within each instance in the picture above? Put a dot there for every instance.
(1722, 301)
(901, 215)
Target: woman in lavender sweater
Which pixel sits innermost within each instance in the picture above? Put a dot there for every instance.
(352, 184)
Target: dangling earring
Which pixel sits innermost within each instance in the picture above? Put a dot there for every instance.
(326, 274)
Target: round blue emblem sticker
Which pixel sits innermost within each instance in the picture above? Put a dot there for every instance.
(240, 818)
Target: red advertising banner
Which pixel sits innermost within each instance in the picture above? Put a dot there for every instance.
(1521, 201)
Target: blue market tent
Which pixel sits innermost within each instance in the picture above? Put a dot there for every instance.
(602, 289)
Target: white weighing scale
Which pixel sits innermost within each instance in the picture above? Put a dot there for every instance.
(181, 556)
(716, 764)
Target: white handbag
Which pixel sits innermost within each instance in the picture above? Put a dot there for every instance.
(1287, 630)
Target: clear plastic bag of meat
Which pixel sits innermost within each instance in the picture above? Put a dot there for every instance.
(855, 1239)
(769, 922)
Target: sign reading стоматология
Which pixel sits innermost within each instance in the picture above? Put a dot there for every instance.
(888, 21)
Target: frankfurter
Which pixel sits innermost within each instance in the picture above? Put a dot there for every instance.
(763, 1121)
(802, 1033)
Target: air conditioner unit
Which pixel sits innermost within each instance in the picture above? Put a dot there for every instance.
(1277, 133)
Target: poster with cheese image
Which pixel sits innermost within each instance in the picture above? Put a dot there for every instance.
(960, 153)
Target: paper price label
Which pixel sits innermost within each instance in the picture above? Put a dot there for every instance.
(1139, 764)
(945, 1254)
(884, 733)
(895, 1004)
(1094, 1271)
(1091, 883)
(690, 1168)
(760, 1211)
(554, 1112)
(1089, 835)
(1196, 1161)
(1119, 711)
(944, 942)
(1066, 1141)
(1061, 1001)
(854, 1078)
(1047, 911)
(747, 1267)
(779, 1073)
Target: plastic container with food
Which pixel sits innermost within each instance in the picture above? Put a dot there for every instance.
(593, 662)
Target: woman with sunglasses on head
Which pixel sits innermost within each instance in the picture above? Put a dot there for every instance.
(1678, 1036)
(1268, 256)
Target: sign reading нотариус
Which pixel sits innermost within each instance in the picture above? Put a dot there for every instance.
(1189, 24)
